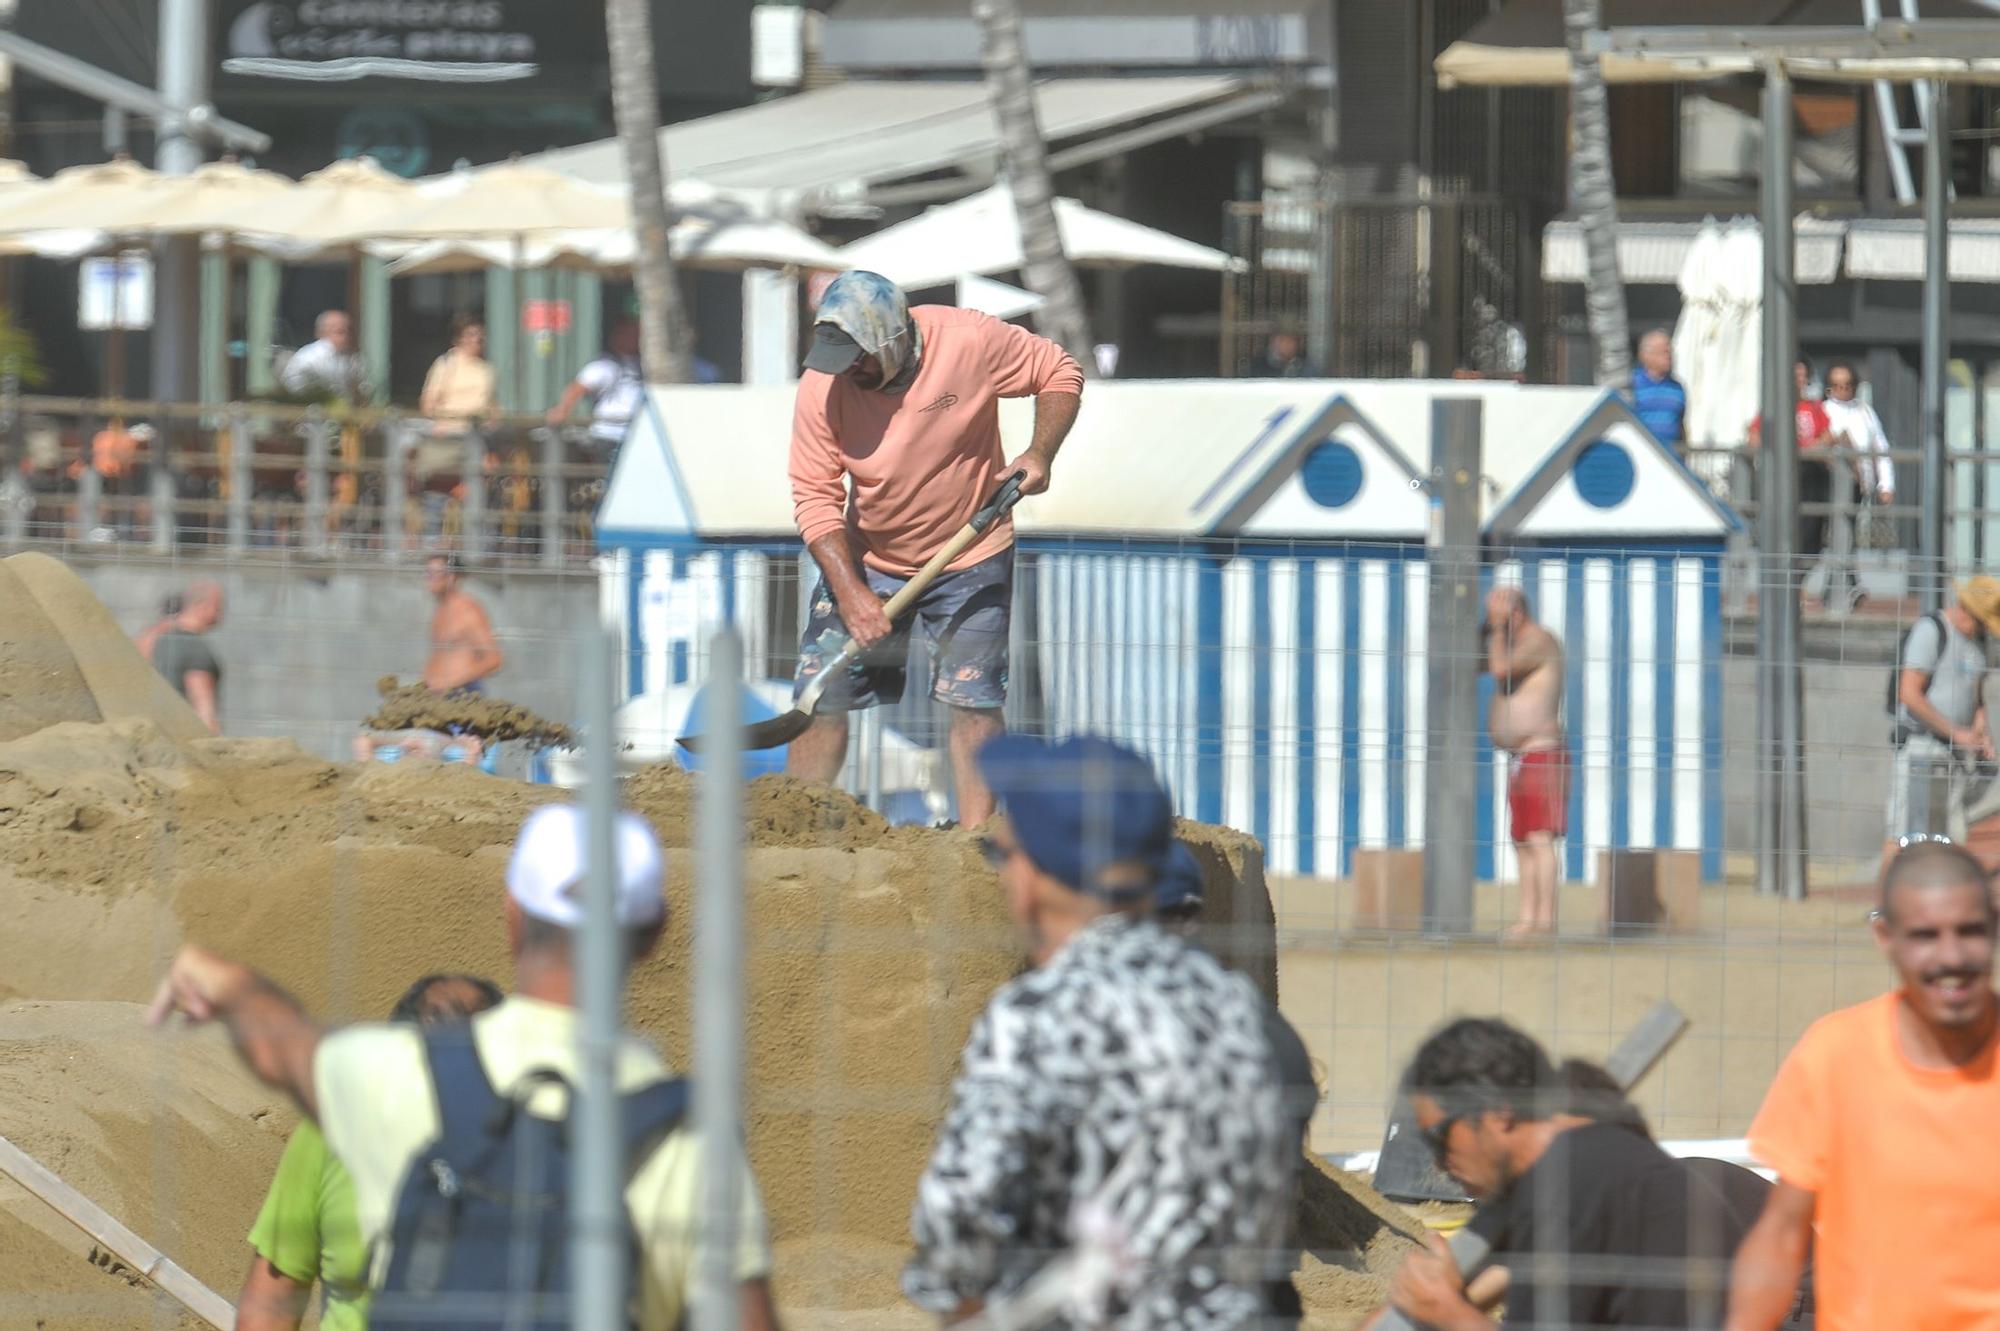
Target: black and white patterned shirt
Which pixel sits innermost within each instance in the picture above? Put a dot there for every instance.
(1128, 1081)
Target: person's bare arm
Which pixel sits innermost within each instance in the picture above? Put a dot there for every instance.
(271, 1300)
(272, 1032)
(199, 688)
(1764, 1281)
(760, 1312)
(567, 403)
(860, 608)
(1055, 413)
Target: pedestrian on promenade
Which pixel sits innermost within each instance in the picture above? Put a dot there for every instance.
(1525, 722)
(1938, 720)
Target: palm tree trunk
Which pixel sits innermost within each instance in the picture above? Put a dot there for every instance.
(1045, 268)
(1594, 195)
(665, 341)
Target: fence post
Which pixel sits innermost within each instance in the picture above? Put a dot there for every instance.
(237, 538)
(719, 968)
(597, 1167)
(161, 490)
(396, 436)
(472, 514)
(318, 433)
(1452, 665)
(552, 498)
(89, 492)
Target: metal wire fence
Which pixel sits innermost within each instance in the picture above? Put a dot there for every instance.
(1289, 690)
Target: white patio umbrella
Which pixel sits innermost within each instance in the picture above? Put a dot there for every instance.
(698, 242)
(1736, 376)
(981, 235)
(995, 298)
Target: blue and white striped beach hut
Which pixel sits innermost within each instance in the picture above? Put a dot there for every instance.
(1231, 575)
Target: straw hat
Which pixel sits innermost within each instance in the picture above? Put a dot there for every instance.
(1981, 597)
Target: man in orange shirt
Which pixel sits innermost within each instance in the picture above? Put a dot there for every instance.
(895, 444)
(1881, 1127)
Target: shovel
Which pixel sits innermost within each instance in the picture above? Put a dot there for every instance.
(788, 726)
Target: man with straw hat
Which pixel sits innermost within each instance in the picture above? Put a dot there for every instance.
(1940, 726)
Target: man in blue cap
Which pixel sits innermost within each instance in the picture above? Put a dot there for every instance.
(1122, 1101)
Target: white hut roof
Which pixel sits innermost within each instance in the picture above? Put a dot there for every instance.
(1180, 459)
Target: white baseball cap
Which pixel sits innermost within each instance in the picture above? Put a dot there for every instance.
(545, 876)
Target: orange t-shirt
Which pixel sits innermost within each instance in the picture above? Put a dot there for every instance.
(1904, 1165)
(923, 460)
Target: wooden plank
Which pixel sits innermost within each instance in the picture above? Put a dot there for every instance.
(103, 1229)
(1645, 1043)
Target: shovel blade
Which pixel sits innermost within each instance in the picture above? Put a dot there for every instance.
(779, 730)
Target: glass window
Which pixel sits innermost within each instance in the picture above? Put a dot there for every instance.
(1722, 139)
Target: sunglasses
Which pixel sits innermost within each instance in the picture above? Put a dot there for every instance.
(1438, 1137)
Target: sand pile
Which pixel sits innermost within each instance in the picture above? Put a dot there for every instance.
(63, 658)
(871, 950)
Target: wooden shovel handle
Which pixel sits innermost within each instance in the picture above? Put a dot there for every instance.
(1004, 499)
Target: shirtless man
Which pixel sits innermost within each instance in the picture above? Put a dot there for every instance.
(1525, 721)
(463, 652)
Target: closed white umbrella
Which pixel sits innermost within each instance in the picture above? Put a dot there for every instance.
(1738, 370)
(1694, 343)
(981, 235)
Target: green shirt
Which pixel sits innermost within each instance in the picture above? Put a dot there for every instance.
(308, 1230)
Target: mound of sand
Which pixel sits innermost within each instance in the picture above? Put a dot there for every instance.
(871, 949)
(63, 658)
(169, 1136)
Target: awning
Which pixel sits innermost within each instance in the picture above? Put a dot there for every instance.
(1892, 250)
(1654, 252)
(1523, 43)
(869, 36)
(843, 150)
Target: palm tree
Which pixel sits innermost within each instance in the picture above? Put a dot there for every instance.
(1044, 267)
(1595, 196)
(665, 343)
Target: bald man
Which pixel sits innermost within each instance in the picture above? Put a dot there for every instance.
(1525, 721)
(1659, 400)
(1879, 1126)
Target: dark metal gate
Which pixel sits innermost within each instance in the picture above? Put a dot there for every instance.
(1386, 288)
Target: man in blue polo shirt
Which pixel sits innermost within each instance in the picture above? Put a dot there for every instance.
(1659, 400)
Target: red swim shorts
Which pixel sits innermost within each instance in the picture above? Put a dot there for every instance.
(1538, 794)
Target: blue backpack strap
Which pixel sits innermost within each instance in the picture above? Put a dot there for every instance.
(651, 1113)
(469, 1109)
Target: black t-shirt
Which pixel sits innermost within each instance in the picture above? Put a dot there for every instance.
(177, 651)
(1608, 1230)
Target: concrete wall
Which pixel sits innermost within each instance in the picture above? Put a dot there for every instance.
(1847, 743)
(303, 644)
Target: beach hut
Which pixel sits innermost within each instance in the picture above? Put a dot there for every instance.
(1231, 576)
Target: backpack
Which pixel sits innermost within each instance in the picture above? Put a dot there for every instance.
(1895, 700)
(481, 1228)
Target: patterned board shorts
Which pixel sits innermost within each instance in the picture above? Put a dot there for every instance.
(963, 619)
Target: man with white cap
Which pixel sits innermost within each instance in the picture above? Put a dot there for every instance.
(372, 1091)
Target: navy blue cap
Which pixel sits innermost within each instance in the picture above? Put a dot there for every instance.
(1179, 886)
(1079, 807)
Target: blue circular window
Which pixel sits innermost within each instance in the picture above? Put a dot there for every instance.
(1332, 475)
(1604, 474)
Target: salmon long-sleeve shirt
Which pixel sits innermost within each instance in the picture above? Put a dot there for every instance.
(924, 460)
